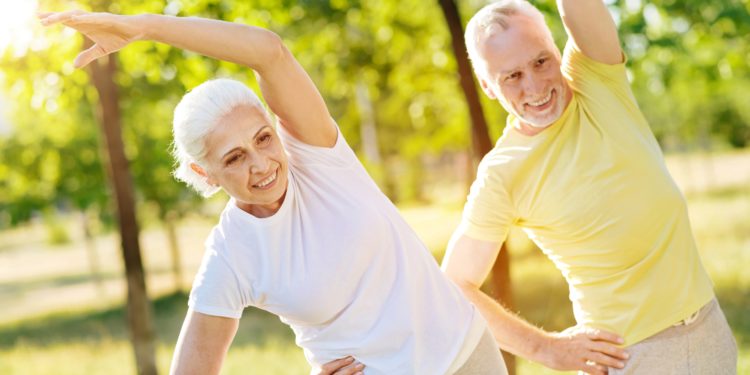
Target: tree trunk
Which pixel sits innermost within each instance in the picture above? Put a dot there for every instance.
(499, 281)
(479, 135)
(91, 254)
(498, 288)
(138, 306)
(174, 248)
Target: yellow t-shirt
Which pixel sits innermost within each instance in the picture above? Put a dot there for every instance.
(593, 192)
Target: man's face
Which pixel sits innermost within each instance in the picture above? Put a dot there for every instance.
(521, 68)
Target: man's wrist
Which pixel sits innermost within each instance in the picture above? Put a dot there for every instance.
(541, 350)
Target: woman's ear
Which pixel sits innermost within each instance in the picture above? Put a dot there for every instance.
(487, 89)
(202, 172)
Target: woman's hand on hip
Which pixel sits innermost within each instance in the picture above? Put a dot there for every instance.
(343, 366)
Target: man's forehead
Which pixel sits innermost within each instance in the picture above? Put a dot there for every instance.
(513, 47)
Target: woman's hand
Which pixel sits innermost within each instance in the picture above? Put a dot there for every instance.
(109, 32)
(343, 366)
(286, 87)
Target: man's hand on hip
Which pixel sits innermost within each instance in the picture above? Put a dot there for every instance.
(584, 349)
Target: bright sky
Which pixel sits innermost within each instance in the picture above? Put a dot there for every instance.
(17, 17)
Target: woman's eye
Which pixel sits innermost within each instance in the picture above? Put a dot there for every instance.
(513, 76)
(541, 61)
(264, 139)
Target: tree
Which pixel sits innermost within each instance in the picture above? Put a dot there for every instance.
(500, 286)
(139, 307)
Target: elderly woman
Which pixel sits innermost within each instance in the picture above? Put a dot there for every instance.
(306, 235)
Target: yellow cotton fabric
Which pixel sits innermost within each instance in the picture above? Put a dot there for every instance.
(593, 192)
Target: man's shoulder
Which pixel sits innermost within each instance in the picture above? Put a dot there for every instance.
(504, 158)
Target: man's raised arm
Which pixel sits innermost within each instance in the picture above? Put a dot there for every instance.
(592, 29)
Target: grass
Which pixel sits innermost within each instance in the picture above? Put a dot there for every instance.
(90, 337)
(95, 342)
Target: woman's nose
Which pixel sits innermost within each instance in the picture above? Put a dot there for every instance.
(259, 164)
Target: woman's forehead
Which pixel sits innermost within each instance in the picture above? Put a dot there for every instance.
(236, 129)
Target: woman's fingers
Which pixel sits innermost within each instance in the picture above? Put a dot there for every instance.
(353, 369)
(92, 53)
(52, 18)
(336, 365)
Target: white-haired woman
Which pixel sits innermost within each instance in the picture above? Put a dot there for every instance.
(307, 235)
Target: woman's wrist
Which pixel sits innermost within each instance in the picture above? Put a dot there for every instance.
(146, 26)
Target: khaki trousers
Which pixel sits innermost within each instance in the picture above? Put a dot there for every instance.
(697, 346)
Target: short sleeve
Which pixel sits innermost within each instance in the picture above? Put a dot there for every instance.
(588, 76)
(489, 212)
(303, 154)
(216, 289)
(602, 89)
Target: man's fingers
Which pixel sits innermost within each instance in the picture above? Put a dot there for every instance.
(600, 335)
(609, 349)
(606, 360)
(595, 369)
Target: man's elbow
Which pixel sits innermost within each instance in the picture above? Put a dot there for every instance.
(466, 286)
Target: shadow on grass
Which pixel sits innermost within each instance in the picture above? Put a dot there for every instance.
(256, 326)
(10, 289)
(735, 302)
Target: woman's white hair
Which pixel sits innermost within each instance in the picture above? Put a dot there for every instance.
(496, 15)
(195, 117)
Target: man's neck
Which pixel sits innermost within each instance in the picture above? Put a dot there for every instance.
(529, 130)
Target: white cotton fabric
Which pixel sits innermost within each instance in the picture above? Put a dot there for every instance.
(341, 267)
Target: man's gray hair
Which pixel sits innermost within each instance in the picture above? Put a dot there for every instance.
(495, 15)
(196, 116)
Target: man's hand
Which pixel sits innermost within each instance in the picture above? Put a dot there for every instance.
(584, 349)
(343, 366)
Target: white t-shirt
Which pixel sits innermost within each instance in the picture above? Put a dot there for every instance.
(341, 267)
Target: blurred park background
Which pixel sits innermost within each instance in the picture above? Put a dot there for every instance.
(392, 81)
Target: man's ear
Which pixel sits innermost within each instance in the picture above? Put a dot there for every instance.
(202, 172)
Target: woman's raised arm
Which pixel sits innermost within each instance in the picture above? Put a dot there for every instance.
(286, 87)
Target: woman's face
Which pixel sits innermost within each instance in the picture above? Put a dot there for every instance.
(246, 158)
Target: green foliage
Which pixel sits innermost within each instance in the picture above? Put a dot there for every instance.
(57, 234)
(687, 61)
(689, 70)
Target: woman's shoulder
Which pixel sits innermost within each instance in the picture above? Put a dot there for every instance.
(304, 155)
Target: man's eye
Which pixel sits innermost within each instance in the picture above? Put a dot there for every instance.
(541, 61)
(233, 159)
(513, 76)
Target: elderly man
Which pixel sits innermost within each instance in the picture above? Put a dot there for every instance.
(580, 171)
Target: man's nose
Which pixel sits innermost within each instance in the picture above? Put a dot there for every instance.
(533, 86)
